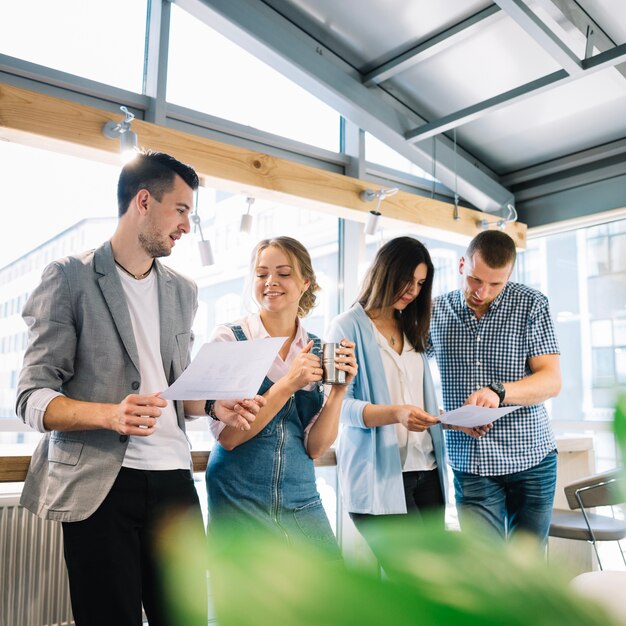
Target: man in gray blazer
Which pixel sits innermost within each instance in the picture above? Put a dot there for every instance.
(108, 330)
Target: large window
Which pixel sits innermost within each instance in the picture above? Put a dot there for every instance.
(106, 44)
(584, 274)
(73, 208)
(243, 90)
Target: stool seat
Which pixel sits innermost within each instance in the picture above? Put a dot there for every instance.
(571, 525)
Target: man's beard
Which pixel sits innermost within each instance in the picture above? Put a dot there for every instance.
(153, 246)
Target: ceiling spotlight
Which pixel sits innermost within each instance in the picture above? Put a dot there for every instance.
(206, 252)
(122, 131)
(372, 222)
(246, 218)
(204, 245)
(369, 195)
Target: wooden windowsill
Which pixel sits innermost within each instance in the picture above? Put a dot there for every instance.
(13, 469)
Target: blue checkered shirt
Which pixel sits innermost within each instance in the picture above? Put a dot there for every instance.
(471, 353)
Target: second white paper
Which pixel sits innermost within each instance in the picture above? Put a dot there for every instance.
(470, 415)
(226, 370)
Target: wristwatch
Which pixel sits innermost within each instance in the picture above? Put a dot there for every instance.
(209, 409)
(499, 389)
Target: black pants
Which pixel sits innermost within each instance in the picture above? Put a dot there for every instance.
(423, 495)
(110, 556)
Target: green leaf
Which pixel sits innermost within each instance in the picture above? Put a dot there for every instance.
(619, 429)
(433, 578)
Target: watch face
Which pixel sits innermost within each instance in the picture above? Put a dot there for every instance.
(499, 389)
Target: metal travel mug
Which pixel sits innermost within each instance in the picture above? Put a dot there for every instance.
(332, 376)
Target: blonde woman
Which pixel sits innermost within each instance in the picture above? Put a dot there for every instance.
(265, 477)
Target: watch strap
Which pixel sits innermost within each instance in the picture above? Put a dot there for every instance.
(209, 409)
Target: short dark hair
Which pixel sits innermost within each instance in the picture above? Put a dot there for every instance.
(392, 270)
(154, 171)
(496, 248)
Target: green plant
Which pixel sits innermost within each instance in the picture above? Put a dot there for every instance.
(433, 578)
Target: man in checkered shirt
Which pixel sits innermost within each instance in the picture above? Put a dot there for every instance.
(495, 345)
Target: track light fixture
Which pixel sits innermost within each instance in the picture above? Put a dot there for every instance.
(369, 195)
(511, 216)
(204, 245)
(246, 218)
(122, 131)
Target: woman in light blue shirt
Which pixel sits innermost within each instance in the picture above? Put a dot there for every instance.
(390, 454)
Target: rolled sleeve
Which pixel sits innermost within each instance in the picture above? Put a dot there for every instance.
(50, 355)
(36, 406)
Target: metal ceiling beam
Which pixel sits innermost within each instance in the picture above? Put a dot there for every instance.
(586, 25)
(526, 19)
(155, 60)
(597, 63)
(555, 166)
(438, 43)
(577, 178)
(480, 109)
(282, 45)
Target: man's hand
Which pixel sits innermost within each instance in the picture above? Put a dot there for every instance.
(413, 418)
(137, 414)
(477, 432)
(239, 413)
(484, 397)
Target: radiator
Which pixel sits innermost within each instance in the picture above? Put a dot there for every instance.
(33, 580)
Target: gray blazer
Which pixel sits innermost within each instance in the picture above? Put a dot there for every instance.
(81, 343)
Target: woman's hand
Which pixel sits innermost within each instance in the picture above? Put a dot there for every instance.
(306, 369)
(413, 418)
(345, 359)
(239, 413)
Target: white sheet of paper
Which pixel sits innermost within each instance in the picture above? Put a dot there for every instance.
(226, 370)
(470, 415)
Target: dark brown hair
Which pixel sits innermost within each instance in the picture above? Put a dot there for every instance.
(154, 171)
(496, 248)
(392, 270)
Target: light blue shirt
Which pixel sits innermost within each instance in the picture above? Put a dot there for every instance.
(368, 459)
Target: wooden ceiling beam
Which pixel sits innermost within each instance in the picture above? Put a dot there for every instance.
(53, 123)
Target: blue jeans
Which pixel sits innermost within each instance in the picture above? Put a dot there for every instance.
(511, 502)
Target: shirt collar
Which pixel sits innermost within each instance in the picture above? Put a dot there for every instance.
(260, 332)
(492, 307)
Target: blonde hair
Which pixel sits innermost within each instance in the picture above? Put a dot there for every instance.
(300, 259)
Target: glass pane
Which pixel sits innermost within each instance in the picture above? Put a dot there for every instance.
(236, 86)
(620, 365)
(618, 253)
(71, 208)
(588, 302)
(598, 251)
(378, 152)
(603, 369)
(100, 41)
(64, 219)
(619, 329)
(602, 334)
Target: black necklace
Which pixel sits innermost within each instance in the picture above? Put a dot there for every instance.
(135, 276)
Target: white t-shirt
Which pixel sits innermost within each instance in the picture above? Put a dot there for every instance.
(405, 381)
(167, 447)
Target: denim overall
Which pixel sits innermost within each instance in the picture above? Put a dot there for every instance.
(268, 482)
